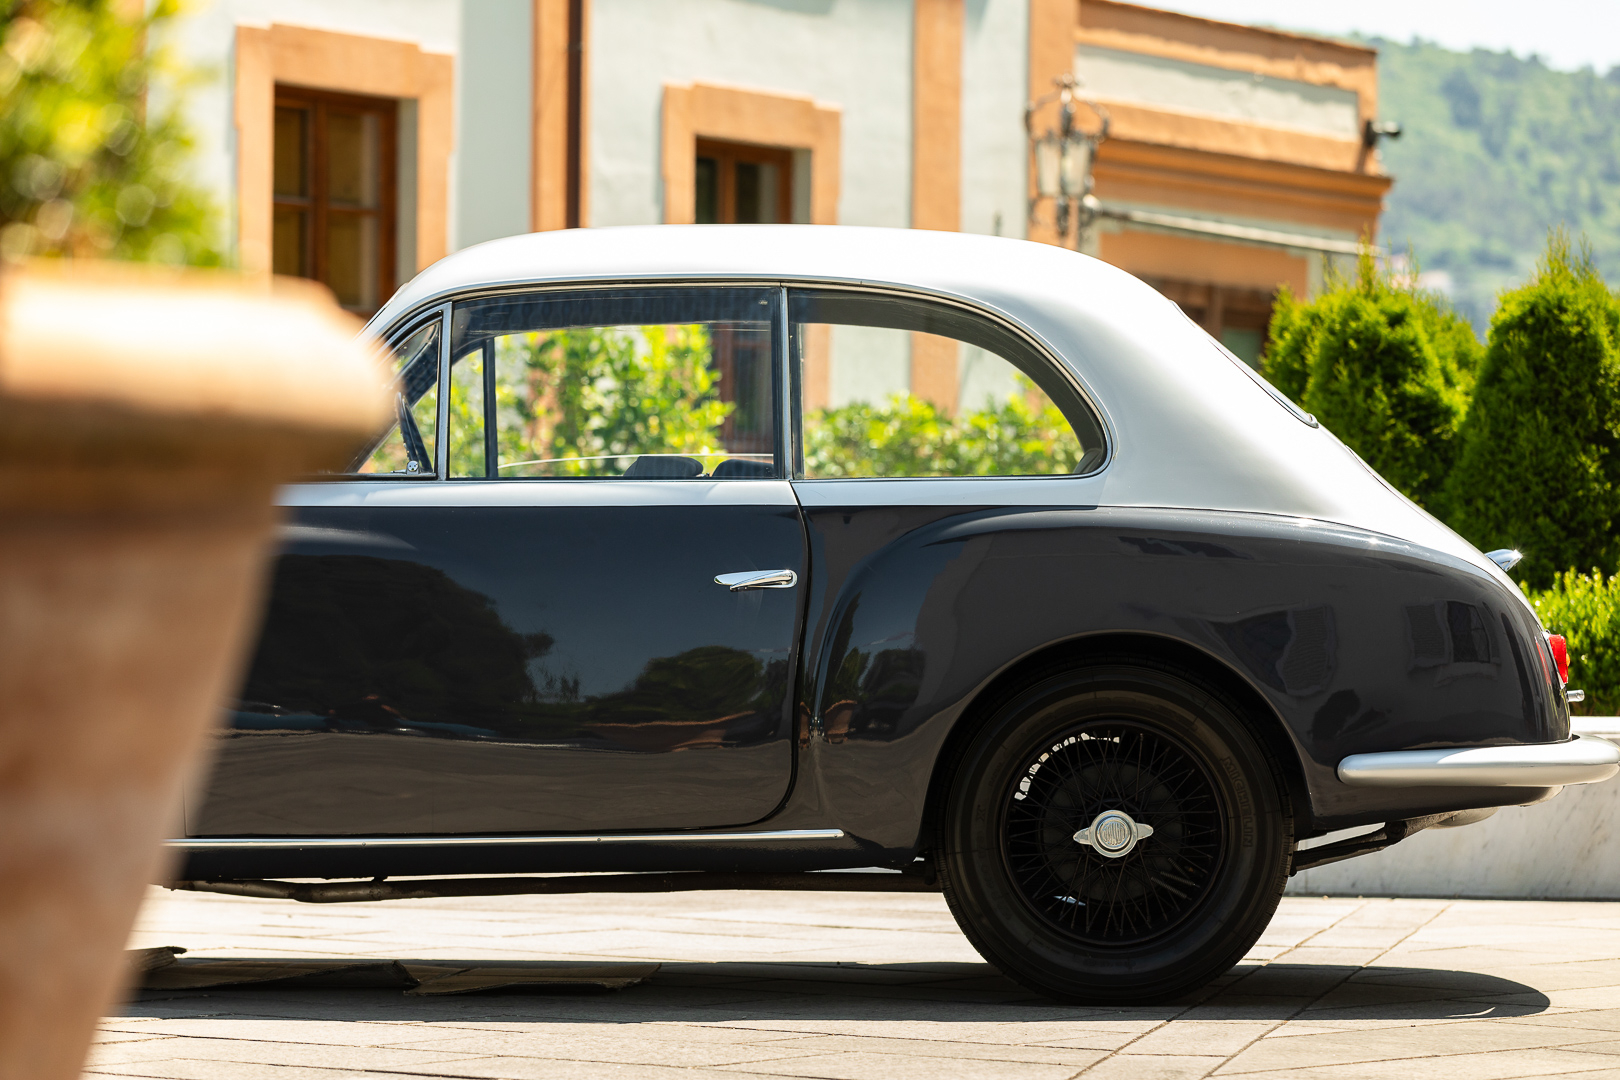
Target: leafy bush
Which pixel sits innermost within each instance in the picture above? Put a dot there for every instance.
(1585, 608)
(90, 164)
(1386, 368)
(596, 397)
(1540, 462)
(907, 436)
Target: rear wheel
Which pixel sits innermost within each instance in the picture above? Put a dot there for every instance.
(1114, 833)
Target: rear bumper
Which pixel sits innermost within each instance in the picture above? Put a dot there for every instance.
(1527, 765)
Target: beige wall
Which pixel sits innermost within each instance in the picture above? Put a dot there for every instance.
(1257, 52)
(1279, 147)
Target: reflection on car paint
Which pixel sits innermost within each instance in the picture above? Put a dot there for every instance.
(1315, 628)
(490, 669)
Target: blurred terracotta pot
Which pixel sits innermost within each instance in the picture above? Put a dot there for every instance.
(145, 422)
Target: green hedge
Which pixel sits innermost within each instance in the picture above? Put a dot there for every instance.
(1540, 462)
(1585, 608)
(1384, 366)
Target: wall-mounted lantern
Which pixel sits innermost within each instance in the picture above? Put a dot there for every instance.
(1374, 130)
(1062, 158)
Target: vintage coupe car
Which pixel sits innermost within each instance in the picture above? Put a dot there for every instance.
(728, 556)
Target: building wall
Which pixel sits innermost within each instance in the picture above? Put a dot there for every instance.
(205, 40)
(494, 134)
(1206, 90)
(1220, 126)
(995, 53)
(853, 53)
(1226, 123)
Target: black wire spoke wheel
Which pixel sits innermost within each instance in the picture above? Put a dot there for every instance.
(1114, 833)
(1116, 779)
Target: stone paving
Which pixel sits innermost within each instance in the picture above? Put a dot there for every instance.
(879, 986)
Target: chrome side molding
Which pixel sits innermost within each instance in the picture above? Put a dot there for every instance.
(1581, 760)
(758, 579)
(264, 843)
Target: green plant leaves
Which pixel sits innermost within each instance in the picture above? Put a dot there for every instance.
(91, 164)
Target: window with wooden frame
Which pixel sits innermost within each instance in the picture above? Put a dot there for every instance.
(738, 184)
(335, 193)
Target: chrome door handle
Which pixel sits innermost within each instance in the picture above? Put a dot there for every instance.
(758, 579)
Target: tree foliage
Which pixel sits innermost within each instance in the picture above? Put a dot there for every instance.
(1540, 462)
(1385, 366)
(1497, 150)
(90, 163)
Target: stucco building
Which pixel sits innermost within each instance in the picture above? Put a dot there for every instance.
(357, 141)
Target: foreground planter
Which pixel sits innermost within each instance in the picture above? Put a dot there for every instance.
(145, 423)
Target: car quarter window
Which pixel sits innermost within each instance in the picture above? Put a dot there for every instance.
(408, 449)
(649, 384)
(898, 387)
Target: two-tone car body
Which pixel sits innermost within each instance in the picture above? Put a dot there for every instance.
(1100, 700)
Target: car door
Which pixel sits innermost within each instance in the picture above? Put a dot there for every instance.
(561, 596)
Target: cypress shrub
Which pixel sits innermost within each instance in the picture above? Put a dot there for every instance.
(1540, 462)
(1586, 610)
(1383, 365)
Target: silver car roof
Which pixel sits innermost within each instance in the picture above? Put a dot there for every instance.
(1190, 426)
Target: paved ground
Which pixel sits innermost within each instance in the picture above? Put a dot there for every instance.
(877, 986)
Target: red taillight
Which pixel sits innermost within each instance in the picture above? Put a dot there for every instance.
(1560, 655)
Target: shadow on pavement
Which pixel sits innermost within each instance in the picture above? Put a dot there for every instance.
(732, 992)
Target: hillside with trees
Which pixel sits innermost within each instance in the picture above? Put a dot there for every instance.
(1496, 151)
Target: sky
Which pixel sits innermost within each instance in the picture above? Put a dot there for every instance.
(1568, 34)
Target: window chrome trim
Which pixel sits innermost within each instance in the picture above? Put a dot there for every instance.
(523, 491)
(1042, 349)
(441, 434)
(255, 843)
(443, 306)
(787, 391)
(787, 282)
(391, 341)
(412, 325)
(1060, 490)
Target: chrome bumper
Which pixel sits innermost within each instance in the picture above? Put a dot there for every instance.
(1581, 760)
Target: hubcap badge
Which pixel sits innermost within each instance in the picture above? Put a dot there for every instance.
(1113, 833)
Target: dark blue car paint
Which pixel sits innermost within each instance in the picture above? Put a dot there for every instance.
(1340, 640)
(509, 669)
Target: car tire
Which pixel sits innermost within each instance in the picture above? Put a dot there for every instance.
(1044, 858)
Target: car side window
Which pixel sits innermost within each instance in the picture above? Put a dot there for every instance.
(644, 384)
(409, 446)
(897, 387)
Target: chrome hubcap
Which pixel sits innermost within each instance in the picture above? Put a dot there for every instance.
(1113, 833)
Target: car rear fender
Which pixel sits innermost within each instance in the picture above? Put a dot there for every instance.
(917, 614)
